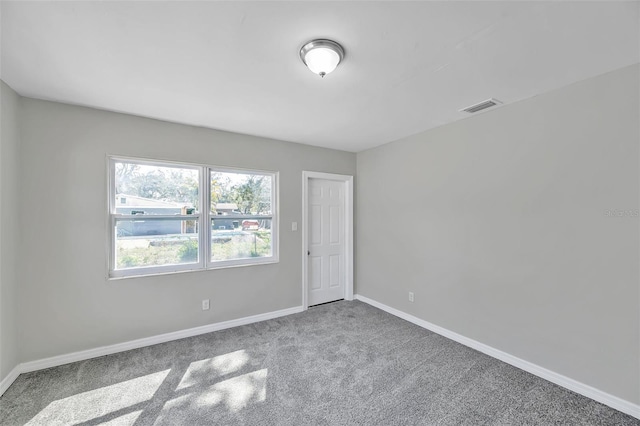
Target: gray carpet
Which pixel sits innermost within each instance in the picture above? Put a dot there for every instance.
(342, 363)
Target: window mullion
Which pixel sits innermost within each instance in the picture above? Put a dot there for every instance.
(205, 222)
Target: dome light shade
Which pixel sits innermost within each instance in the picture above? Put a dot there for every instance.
(322, 56)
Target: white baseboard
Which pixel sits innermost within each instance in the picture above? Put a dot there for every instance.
(11, 377)
(564, 381)
(138, 343)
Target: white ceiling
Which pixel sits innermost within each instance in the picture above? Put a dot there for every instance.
(409, 66)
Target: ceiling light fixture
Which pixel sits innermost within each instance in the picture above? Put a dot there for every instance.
(322, 56)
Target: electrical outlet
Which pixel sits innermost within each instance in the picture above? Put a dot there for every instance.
(205, 304)
(410, 296)
(294, 226)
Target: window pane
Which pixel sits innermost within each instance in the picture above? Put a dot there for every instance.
(146, 189)
(240, 193)
(155, 242)
(240, 239)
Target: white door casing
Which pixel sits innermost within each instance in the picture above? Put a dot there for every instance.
(327, 238)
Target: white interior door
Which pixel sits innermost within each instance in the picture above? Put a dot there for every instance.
(327, 241)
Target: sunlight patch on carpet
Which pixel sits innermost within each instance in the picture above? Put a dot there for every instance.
(233, 394)
(125, 420)
(99, 402)
(211, 368)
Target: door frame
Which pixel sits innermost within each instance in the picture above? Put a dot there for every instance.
(347, 180)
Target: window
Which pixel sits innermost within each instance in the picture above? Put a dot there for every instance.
(159, 225)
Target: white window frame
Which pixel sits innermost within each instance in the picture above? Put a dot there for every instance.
(203, 217)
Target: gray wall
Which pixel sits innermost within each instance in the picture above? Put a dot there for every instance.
(9, 104)
(509, 242)
(67, 303)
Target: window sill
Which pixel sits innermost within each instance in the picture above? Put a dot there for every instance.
(268, 261)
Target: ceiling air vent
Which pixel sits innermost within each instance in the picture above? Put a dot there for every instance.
(482, 105)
